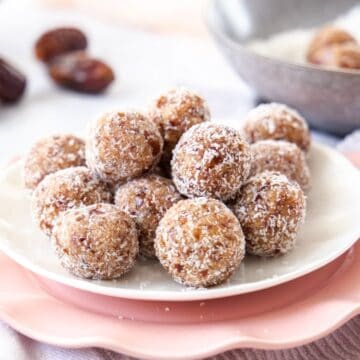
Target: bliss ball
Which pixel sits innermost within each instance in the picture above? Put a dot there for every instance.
(175, 112)
(200, 242)
(51, 154)
(327, 37)
(270, 209)
(146, 200)
(280, 156)
(211, 160)
(277, 122)
(122, 145)
(63, 190)
(96, 242)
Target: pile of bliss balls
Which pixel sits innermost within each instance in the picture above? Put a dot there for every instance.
(169, 184)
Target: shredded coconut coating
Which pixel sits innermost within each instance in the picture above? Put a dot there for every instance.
(327, 37)
(283, 157)
(211, 160)
(96, 242)
(277, 122)
(174, 113)
(146, 200)
(200, 242)
(122, 145)
(339, 55)
(270, 209)
(51, 154)
(63, 190)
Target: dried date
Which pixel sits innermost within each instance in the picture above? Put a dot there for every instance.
(59, 42)
(80, 72)
(12, 82)
(343, 56)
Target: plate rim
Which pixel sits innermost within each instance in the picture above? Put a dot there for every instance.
(26, 326)
(188, 295)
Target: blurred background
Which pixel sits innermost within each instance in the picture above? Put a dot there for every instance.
(150, 45)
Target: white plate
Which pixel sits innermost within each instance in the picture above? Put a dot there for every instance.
(332, 226)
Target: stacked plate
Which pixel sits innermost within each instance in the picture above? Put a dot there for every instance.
(269, 303)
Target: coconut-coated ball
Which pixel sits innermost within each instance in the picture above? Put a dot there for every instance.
(146, 200)
(162, 171)
(175, 112)
(327, 37)
(270, 209)
(199, 242)
(277, 122)
(51, 154)
(281, 156)
(65, 189)
(122, 145)
(211, 160)
(96, 242)
(339, 55)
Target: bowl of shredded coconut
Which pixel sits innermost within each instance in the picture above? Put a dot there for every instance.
(267, 42)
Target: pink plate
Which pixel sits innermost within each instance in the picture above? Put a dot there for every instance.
(287, 315)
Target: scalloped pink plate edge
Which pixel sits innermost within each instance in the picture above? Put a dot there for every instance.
(329, 299)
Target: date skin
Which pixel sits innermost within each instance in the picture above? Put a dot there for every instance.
(12, 83)
(58, 42)
(80, 72)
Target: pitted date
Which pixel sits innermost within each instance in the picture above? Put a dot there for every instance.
(78, 71)
(58, 42)
(12, 82)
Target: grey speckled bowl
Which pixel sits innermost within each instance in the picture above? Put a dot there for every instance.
(329, 99)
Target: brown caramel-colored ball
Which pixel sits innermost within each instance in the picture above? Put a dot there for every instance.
(280, 156)
(122, 145)
(146, 200)
(175, 112)
(12, 83)
(96, 242)
(277, 122)
(211, 160)
(343, 55)
(324, 38)
(200, 242)
(270, 209)
(51, 154)
(63, 190)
